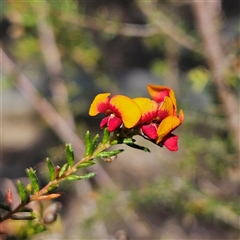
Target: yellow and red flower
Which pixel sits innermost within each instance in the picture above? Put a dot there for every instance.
(159, 117)
(118, 110)
(152, 113)
(149, 109)
(153, 119)
(165, 129)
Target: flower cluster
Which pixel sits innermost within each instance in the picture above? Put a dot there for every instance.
(154, 119)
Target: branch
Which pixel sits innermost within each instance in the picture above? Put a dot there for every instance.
(217, 62)
(167, 26)
(52, 61)
(155, 27)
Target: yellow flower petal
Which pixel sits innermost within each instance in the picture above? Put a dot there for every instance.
(167, 125)
(100, 100)
(173, 98)
(181, 115)
(166, 109)
(148, 108)
(127, 109)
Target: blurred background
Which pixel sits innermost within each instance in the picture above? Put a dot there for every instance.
(57, 55)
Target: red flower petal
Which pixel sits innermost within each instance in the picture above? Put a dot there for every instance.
(171, 142)
(150, 130)
(113, 123)
(104, 122)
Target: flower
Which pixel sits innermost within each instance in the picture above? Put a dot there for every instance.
(154, 119)
(149, 110)
(171, 121)
(164, 131)
(118, 110)
(152, 113)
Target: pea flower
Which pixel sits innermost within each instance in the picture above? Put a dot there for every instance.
(164, 132)
(118, 110)
(159, 118)
(152, 113)
(155, 119)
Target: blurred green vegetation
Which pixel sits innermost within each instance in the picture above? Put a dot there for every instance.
(200, 189)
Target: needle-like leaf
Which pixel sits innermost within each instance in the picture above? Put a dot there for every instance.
(70, 154)
(51, 169)
(33, 179)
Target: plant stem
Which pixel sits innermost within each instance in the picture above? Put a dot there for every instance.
(56, 181)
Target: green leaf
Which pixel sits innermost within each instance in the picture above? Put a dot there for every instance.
(25, 209)
(22, 191)
(51, 169)
(115, 142)
(90, 144)
(106, 136)
(5, 207)
(76, 178)
(53, 187)
(128, 140)
(86, 164)
(109, 153)
(123, 141)
(94, 143)
(63, 169)
(87, 143)
(29, 189)
(70, 154)
(17, 217)
(33, 179)
(133, 145)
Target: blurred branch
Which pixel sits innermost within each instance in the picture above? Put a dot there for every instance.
(217, 63)
(166, 26)
(157, 26)
(52, 60)
(86, 206)
(43, 107)
(172, 59)
(111, 27)
(62, 129)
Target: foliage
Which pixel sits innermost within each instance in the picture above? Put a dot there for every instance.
(34, 192)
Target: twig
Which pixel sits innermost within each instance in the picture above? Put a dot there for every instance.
(166, 26)
(53, 63)
(155, 27)
(42, 194)
(107, 26)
